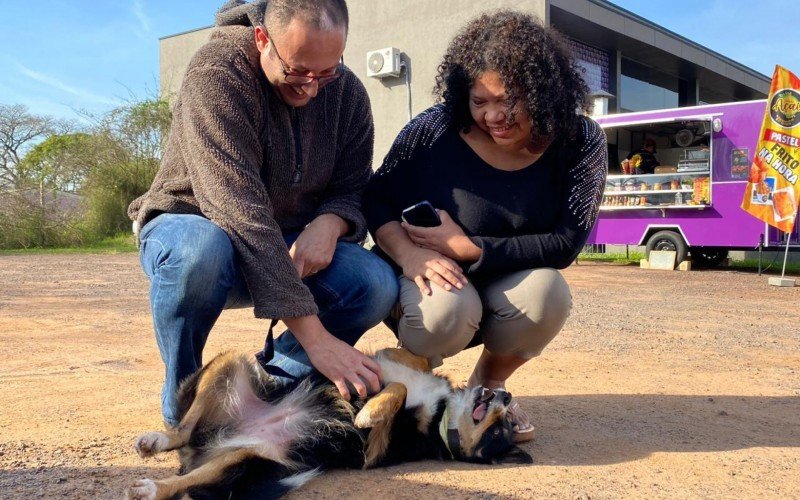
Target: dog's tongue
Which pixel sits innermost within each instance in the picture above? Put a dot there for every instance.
(479, 412)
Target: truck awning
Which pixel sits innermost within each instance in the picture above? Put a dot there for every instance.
(670, 119)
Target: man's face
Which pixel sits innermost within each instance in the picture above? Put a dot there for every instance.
(304, 50)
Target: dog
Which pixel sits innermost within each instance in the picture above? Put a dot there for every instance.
(244, 436)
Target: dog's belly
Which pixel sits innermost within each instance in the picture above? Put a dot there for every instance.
(265, 423)
(271, 428)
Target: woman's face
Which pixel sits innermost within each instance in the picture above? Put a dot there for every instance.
(488, 105)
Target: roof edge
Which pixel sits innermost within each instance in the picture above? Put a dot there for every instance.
(650, 24)
(184, 32)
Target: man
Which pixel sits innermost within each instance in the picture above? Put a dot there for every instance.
(258, 198)
(647, 161)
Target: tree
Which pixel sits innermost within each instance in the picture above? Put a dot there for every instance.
(58, 163)
(129, 146)
(19, 131)
(68, 188)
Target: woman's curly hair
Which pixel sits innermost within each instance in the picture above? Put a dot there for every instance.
(533, 63)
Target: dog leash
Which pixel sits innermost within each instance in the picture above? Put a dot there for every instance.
(265, 356)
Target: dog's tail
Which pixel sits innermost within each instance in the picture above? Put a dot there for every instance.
(270, 487)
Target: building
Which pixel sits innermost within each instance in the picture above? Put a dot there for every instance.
(635, 63)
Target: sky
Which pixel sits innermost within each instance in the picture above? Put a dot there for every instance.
(61, 57)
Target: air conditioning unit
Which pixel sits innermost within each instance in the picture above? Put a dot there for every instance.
(384, 62)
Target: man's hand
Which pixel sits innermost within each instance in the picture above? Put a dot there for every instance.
(342, 364)
(447, 239)
(313, 250)
(422, 265)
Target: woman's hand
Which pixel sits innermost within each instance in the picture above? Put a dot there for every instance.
(422, 265)
(447, 239)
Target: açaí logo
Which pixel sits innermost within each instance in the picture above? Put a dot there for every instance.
(784, 108)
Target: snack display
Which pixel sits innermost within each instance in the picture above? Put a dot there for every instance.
(701, 194)
(651, 190)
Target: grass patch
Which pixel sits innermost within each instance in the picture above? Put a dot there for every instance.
(768, 266)
(614, 258)
(122, 243)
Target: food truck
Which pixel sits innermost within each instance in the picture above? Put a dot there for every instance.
(690, 202)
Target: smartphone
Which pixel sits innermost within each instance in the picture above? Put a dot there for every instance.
(422, 214)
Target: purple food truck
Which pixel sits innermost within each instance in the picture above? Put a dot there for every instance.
(676, 181)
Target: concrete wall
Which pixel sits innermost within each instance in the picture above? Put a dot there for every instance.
(174, 55)
(421, 29)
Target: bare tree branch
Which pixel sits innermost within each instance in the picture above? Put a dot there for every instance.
(19, 131)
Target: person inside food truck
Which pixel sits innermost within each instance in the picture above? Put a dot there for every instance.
(644, 160)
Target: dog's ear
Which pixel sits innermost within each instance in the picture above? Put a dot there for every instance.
(515, 455)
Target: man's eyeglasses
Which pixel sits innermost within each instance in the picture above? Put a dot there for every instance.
(300, 79)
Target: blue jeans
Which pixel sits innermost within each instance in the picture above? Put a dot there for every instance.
(194, 275)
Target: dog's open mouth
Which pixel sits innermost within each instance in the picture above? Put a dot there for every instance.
(479, 411)
(480, 408)
(483, 400)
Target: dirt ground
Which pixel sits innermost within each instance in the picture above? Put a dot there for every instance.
(662, 385)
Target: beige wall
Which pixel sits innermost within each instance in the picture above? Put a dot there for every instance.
(421, 30)
(174, 55)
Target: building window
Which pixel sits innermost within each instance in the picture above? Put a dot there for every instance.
(593, 64)
(644, 88)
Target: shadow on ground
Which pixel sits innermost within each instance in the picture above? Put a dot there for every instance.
(612, 428)
(571, 430)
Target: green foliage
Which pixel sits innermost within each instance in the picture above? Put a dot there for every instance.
(128, 149)
(27, 223)
(123, 243)
(60, 162)
(74, 188)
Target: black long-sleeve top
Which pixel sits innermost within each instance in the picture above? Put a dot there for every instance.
(538, 216)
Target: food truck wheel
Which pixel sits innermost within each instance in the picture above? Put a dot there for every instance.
(708, 256)
(668, 240)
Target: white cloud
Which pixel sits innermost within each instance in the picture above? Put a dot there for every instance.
(57, 84)
(138, 11)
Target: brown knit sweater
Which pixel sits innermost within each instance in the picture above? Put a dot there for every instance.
(239, 156)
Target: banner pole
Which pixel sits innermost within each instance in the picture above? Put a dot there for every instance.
(782, 281)
(786, 254)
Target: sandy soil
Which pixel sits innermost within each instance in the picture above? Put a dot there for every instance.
(662, 384)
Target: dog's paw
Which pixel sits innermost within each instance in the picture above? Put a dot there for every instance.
(151, 443)
(143, 489)
(367, 419)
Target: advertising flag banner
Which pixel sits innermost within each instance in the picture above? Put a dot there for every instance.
(772, 190)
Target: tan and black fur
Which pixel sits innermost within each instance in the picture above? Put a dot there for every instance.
(241, 435)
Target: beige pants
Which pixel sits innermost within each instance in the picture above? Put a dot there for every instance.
(517, 314)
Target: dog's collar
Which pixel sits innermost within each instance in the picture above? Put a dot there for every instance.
(449, 436)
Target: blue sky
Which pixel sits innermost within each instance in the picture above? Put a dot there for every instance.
(59, 56)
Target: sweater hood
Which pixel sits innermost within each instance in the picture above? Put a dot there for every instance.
(234, 23)
(241, 13)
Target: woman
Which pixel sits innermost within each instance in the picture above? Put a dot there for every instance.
(517, 176)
